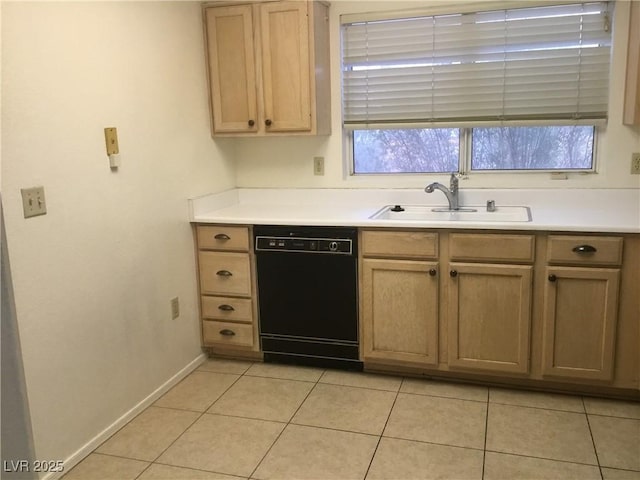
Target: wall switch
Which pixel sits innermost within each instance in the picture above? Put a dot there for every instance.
(635, 163)
(318, 165)
(111, 140)
(33, 202)
(175, 308)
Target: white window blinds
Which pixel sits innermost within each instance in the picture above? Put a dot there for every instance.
(546, 63)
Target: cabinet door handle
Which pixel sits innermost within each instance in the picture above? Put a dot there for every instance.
(251, 123)
(227, 333)
(453, 273)
(267, 122)
(222, 236)
(585, 249)
(432, 272)
(224, 273)
(226, 308)
(552, 278)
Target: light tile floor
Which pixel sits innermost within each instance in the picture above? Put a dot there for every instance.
(232, 419)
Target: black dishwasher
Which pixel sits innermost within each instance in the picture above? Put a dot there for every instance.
(308, 295)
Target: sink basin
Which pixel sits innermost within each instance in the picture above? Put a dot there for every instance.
(429, 213)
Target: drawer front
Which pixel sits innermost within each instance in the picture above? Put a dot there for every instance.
(227, 308)
(225, 273)
(412, 244)
(214, 237)
(583, 250)
(225, 333)
(491, 247)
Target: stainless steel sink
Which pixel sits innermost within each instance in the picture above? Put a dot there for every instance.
(428, 213)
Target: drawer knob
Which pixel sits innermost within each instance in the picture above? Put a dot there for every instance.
(227, 333)
(432, 272)
(224, 273)
(251, 123)
(226, 308)
(222, 236)
(585, 249)
(453, 273)
(552, 278)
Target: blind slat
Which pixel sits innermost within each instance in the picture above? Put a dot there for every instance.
(535, 61)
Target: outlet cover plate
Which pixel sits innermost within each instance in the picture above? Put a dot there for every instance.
(635, 163)
(175, 308)
(318, 165)
(33, 202)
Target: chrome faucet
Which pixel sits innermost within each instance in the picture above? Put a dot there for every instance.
(451, 193)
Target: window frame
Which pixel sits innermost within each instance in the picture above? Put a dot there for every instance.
(464, 158)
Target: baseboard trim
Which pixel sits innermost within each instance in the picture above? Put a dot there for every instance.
(96, 441)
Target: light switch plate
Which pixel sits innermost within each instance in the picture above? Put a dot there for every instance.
(33, 203)
(111, 140)
(318, 165)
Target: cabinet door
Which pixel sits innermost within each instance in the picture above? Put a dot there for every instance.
(232, 68)
(286, 66)
(580, 314)
(400, 311)
(489, 317)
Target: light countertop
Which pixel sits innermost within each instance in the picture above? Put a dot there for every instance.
(580, 210)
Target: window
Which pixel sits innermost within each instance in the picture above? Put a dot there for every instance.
(519, 89)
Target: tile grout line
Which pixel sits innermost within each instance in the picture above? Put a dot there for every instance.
(593, 442)
(287, 424)
(558, 460)
(447, 397)
(486, 433)
(375, 450)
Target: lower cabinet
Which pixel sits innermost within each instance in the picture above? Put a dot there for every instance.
(489, 317)
(579, 322)
(400, 310)
(535, 309)
(226, 286)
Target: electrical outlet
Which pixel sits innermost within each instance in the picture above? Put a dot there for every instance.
(33, 202)
(635, 163)
(175, 308)
(318, 165)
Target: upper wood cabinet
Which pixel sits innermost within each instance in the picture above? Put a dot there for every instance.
(632, 86)
(268, 67)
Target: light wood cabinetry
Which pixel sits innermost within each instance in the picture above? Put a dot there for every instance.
(227, 305)
(399, 297)
(489, 317)
(489, 305)
(581, 307)
(546, 310)
(268, 68)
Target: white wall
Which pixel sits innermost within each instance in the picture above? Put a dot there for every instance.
(94, 277)
(288, 162)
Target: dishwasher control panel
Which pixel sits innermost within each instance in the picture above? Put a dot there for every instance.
(336, 246)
